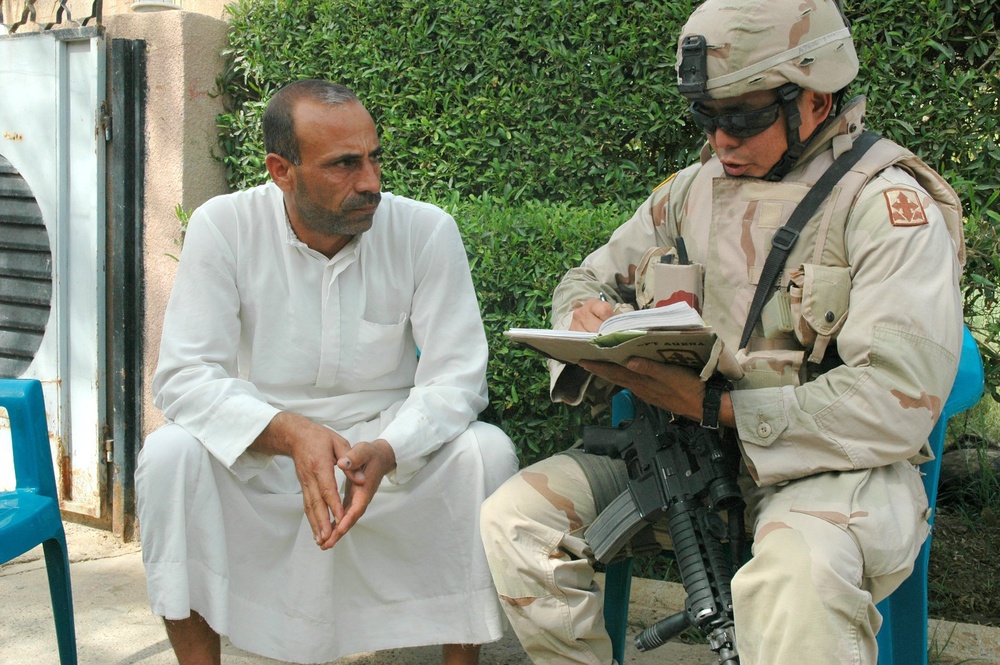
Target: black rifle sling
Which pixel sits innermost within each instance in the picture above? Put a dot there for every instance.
(786, 237)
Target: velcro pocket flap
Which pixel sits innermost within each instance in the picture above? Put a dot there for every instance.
(823, 298)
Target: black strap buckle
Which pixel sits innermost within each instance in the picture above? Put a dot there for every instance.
(784, 239)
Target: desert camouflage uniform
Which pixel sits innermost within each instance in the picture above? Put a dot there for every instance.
(835, 503)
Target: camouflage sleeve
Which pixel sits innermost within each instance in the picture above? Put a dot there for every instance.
(609, 270)
(900, 345)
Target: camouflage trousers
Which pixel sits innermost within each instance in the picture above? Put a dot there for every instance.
(826, 549)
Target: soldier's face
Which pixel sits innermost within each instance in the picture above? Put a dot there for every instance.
(753, 156)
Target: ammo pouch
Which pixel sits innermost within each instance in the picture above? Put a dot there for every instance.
(819, 298)
(661, 279)
(800, 327)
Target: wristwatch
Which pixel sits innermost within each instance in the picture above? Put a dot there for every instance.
(714, 388)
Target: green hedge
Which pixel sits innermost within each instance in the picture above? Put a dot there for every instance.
(518, 254)
(930, 72)
(556, 99)
(569, 101)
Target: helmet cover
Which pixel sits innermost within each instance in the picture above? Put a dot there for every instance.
(751, 45)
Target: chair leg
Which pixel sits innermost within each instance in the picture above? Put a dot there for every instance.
(57, 567)
(886, 652)
(617, 589)
(902, 640)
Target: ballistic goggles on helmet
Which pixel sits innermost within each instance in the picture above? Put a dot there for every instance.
(741, 125)
(744, 124)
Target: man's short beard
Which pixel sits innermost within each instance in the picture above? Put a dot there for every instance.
(336, 222)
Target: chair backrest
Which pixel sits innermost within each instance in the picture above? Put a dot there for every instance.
(25, 405)
(965, 393)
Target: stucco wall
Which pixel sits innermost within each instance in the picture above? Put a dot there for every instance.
(183, 60)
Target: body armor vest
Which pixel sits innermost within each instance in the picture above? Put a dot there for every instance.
(727, 224)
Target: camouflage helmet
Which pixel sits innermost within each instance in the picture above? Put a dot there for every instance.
(731, 47)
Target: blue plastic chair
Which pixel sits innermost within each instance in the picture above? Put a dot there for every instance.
(903, 636)
(29, 515)
(902, 640)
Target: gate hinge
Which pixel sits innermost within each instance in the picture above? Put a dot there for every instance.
(105, 120)
(109, 450)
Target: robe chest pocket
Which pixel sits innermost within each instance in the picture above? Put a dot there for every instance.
(380, 347)
(820, 298)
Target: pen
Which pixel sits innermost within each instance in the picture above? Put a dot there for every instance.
(602, 296)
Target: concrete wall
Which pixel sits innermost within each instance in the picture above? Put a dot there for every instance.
(183, 60)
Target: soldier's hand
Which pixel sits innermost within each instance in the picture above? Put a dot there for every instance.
(672, 387)
(590, 314)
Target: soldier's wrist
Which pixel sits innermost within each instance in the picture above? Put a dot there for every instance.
(715, 387)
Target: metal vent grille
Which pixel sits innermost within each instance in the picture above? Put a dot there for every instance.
(22, 16)
(25, 273)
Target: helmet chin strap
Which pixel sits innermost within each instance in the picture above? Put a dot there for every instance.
(787, 95)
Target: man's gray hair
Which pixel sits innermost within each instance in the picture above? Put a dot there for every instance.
(279, 129)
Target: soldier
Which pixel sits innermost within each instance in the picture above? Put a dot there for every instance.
(831, 409)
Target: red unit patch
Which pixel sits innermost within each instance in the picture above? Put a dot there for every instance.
(905, 208)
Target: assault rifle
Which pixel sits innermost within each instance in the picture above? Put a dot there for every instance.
(682, 472)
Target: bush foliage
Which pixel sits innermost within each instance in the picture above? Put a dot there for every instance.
(930, 72)
(517, 254)
(555, 100)
(574, 103)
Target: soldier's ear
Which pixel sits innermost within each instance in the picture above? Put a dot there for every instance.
(814, 108)
(818, 105)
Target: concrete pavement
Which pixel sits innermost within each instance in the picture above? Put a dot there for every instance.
(114, 625)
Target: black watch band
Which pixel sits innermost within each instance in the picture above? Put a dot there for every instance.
(714, 388)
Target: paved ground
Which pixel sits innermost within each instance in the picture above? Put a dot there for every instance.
(114, 626)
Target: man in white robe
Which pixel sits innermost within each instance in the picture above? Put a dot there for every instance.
(321, 335)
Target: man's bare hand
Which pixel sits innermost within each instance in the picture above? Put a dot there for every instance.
(591, 313)
(364, 465)
(315, 450)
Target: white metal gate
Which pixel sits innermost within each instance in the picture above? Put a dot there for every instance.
(52, 133)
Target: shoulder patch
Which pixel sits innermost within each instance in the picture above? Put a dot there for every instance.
(905, 208)
(665, 181)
